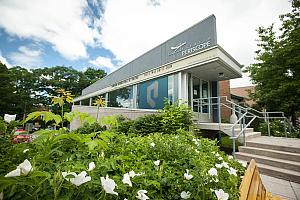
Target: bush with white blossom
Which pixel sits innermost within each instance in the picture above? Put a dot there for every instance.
(116, 166)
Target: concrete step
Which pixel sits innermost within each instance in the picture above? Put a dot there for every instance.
(270, 153)
(252, 135)
(275, 162)
(249, 135)
(274, 146)
(277, 172)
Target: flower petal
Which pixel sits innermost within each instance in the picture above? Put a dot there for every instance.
(14, 173)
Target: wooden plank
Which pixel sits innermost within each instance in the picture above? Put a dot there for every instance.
(245, 185)
(252, 193)
(259, 191)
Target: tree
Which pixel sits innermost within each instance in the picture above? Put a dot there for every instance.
(277, 70)
(24, 90)
(6, 90)
(93, 75)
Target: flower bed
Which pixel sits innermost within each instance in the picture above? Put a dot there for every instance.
(111, 165)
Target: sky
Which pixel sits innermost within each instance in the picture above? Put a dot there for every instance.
(108, 34)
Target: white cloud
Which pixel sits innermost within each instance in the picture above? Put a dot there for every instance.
(103, 62)
(4, 61)
(64, 24)
(130, 28)
(26, 57)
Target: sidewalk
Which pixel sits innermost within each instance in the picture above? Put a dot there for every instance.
(284, 189)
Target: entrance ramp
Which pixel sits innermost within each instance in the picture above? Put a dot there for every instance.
(227, 129)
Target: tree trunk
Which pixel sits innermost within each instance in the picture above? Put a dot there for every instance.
(294, 118)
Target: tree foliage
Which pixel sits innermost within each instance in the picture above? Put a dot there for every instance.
(23, 91)
(277, 70)
(6, 89)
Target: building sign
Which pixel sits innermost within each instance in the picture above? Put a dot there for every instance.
(183, 49)
(146, 74)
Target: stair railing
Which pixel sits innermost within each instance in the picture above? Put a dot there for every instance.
(244, 113)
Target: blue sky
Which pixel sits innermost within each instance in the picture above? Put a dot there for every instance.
(107, 34)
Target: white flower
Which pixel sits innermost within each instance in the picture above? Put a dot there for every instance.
(25, 150)
(196, 141)
(77, 179)
(142, 195)
(243, 163)
(24, 168)
(152, 144)
(221, 195)
(220, 158)
(156, 162)
(218, 165)
(187, 176)
(213, 172)
(108, 185)
(217, 154)
(133, 174)
(232, 171)
(14, 173)
(126, 179)
(225, 164)
(230, 157)
(91, 166)
(185, 195)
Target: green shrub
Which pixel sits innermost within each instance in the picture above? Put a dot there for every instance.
(54, 152)
(147, 124)
(277, 129)
(172, 118)
(176, 116)
(90, 128)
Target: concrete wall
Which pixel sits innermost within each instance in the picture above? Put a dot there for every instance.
(107, 111)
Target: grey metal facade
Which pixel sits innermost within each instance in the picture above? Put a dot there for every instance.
(196, 38)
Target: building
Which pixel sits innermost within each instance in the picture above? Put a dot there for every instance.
(188, 67)
(242, 95)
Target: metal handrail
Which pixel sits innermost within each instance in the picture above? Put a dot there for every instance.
(238, 135)
(247, 113)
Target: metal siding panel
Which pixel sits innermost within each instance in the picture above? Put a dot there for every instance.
(200, 32)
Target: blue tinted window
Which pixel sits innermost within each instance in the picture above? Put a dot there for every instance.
(120, 98)
(151, 94)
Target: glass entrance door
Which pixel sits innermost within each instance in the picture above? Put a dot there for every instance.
(200, 93)
(196, 92)
(204, 94)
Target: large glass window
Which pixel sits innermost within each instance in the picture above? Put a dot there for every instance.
(205, 95)
(151, 94)
(85, 102)
(121, 98)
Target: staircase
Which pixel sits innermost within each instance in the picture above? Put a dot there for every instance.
(275, 156)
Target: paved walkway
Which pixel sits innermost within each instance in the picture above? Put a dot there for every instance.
(285, 189)
(280, 141)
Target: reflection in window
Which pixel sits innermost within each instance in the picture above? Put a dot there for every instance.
(170, 87)
(85, 102)
(121, 98)
(151, 94)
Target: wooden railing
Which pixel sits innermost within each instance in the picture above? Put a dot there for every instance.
(252, 187)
